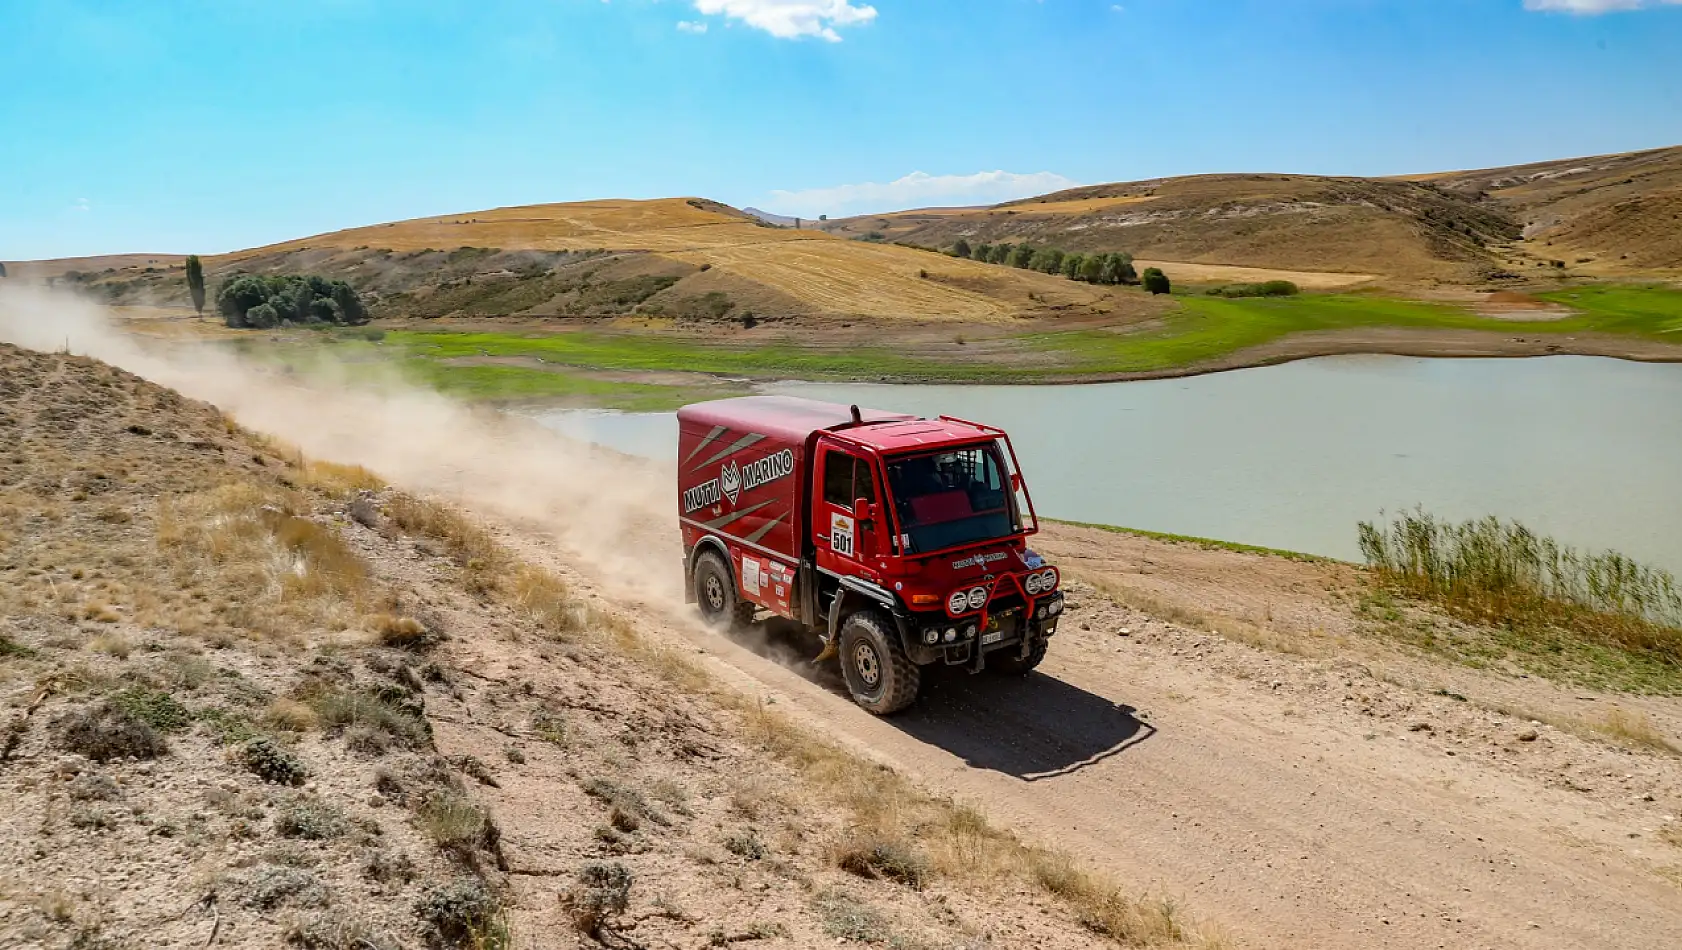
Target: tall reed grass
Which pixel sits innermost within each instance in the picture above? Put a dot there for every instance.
(1501, 573)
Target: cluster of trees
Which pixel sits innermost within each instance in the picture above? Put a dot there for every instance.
(1116, 268)
(248, 301)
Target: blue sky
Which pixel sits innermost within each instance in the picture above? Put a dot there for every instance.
(212, 125)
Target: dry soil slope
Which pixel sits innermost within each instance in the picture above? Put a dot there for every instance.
(1619, 211)
(1406, 230)
(1623, 211)
(719, 249)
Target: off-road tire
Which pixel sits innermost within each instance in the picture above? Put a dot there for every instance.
(715, 594)
(879, 675)
(1011, 663)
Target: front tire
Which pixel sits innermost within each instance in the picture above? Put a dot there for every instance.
(715, 594)
(879, 675)
(1012, 663)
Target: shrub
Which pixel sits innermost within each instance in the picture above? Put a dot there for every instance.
(745, 845)
(261, 302)
(154, 707)
(1118, 269)
(601, 892)
(107, 732)
(845, 917)
(1156, 281)
(269, 761)
(883, 859)
(1022, 256)
(1267, 288)
(456, 823)
(311, 819)
(1001, 254)
(460, 912)
(961, 249)
(268, 886)
(333, 931)
(387, 711)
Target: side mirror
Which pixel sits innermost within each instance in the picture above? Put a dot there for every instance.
(1015, 482)
(864, 521)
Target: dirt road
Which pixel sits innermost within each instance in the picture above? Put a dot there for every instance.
(1301, 802)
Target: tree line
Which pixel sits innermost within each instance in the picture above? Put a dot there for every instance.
(1113, 268)
(250, 301)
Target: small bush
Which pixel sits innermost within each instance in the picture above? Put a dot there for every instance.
(845, 917)
(601, 892)
(882, 859)
(268, 886)
(745, 845)
(271, 762)
(311, 819)
(94, 787)
(1155, 281)
(625, 798)
(333, 931)
(155, 708)
(106, 732)
(10, 647)
(388, 711)
(1267, 288)
(402, 632)
(460, 912)
(289, 715)
(388, 867)
(456, 823)
(367, 741)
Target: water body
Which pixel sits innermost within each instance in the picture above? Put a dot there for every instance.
(1583, 448)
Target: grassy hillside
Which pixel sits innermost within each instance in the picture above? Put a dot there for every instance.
(686, 260)
(1615, 214)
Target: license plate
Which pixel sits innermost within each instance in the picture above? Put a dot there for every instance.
(993, 637)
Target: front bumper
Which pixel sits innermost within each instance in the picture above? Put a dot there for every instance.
(1009, 628)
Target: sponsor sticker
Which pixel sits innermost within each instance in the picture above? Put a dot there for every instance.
(978, 560)
(735, 479)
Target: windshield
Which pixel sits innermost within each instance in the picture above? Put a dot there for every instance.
(950, 498)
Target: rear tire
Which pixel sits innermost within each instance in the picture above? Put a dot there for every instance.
(879, 675)
(715, 594)
(1011, 663)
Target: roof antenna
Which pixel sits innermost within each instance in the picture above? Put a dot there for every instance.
(858, 417)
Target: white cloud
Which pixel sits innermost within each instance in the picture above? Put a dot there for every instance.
(789, 19)
(1595, 7)
(691, 26)
(81, 205)
(919, 190)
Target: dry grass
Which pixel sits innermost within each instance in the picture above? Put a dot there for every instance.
(1633, 730)
(269, 569)
(331, 478)
(112, 644)
(289, 715)
(397, 631)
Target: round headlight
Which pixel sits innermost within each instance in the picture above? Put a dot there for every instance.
(969, 631)
(1056, 607)
(931, 635)
(1048, 579)
(951, 634)
(1034, 583)
(977, 598)
(958, 602)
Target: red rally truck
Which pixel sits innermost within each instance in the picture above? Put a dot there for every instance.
(902, 542)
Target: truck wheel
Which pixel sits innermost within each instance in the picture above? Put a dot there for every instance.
(880, 676)
(715, 594)
(1011, 662)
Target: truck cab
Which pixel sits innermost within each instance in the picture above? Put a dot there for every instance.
(901, 541)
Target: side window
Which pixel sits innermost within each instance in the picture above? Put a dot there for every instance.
(838, 479)
(863, 485)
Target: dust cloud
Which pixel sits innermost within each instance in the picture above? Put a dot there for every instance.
(610, 515)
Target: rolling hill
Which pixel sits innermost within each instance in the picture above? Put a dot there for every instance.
(683, 259)
(1610, 215)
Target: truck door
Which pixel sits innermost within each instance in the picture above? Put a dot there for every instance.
(846, 478)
